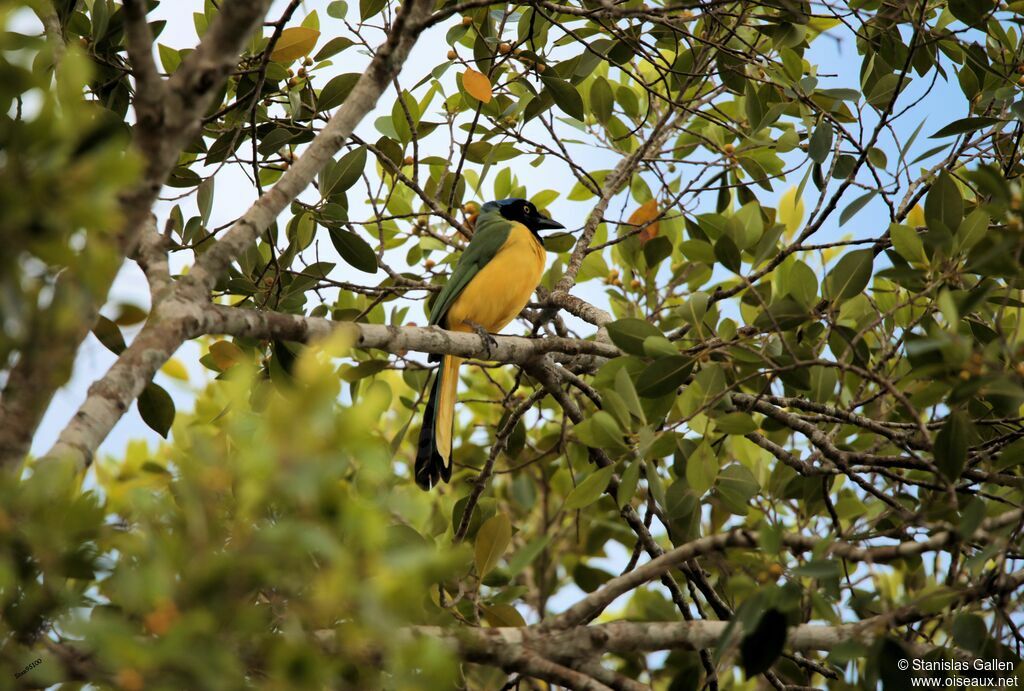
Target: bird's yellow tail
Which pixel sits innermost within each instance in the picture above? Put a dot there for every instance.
(433, 455)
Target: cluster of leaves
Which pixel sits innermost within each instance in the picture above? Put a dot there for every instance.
(245, 550)
(64, 162)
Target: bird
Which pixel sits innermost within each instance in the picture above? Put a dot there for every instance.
(490, 285)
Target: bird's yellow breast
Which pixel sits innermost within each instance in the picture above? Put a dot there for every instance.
(501, 289)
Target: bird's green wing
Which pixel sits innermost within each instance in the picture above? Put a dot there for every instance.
(489, 235)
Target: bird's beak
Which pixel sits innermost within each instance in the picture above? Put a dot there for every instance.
(545, 223)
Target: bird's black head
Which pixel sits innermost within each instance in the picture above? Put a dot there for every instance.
(526, 213)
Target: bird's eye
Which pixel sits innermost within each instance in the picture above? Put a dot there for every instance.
(526, 208)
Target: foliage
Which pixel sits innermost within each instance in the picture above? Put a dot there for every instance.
(244, 549)
(800, 392)
(64, 161)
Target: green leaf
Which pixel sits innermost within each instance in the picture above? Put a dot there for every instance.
(370, 8)
(821, 569)
(169, 58)
(783, 314)
(754, 107)
(109, 335)
(204, 199)
(157, 409)
(337, 9)
(728, 254)
(881, 92)
(588, 578)
(629, 334)
(850, 276)
(736, 423)
(559, 242)
(656, 250)
(944, 207)
(345, 172)
(336, 91)
(527, 554)
(965, 125)
(701, 468)
(760, 648)
(333, 47)
(627, 484)
(590, 490)
(736, 485)
(354, 250)
(566, 97)
(971, 12)
(855, 206)
(951, 444)
(972, 230)
(664, 376)
(491, 542)
(502, 614)
(970, 632)
(600, 431)
(907, 243)
(821, 142)
(601, 99)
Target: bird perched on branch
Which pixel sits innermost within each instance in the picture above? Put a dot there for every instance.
(491, 284)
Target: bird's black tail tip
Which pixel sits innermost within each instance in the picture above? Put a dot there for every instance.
(430, 466)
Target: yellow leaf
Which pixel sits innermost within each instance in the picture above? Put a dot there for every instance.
(491, 542)
(175, 370)
(294, 42)
(477, 85)
(647, 212)
(916, 217)
(225, 354)
(791, 211)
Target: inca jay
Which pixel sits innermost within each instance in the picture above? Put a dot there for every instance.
(491, 284)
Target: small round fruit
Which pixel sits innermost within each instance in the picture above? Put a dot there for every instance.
(429, 264)
(408, 161)
(541, 67)
(635, 284)
(504, 48)
(466, 21)
(452, 55)
(308, 61)
(728, 149)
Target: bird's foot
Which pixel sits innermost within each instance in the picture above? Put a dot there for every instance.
(489, 341)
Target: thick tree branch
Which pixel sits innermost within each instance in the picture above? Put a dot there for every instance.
(512, 349)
